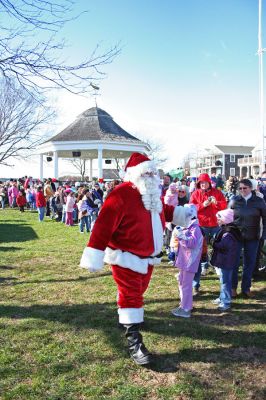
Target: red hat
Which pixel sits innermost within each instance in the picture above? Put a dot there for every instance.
(136, 159)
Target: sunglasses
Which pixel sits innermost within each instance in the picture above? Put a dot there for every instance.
(243, 187)
(182, 191)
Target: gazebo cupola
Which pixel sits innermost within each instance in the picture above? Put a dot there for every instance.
(93, 135)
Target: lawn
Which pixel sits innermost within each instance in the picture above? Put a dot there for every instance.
(60, 337)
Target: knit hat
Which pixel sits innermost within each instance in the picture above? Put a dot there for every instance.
(227, 216)
(190, 213)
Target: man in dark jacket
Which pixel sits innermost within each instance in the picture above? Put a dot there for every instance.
(249, 212)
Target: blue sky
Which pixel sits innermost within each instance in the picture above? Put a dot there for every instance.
(187, 73)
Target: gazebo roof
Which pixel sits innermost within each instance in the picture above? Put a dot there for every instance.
(94, 124)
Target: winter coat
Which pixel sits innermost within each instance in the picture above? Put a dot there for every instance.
(225, 247)
(83, 207)
(70, 204)
(207, 215)
(171, 198)
(189, 248)
(21, 200)
(40, 200)
(248, 216)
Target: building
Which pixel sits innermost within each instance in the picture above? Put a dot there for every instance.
(221, 160)
(251, 164)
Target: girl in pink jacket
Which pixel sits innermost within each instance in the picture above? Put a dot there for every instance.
(190, 241)
(70, 202)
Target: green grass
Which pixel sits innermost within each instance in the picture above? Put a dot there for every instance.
(59, 337)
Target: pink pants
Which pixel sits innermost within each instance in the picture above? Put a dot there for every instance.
(69, 218)
(185, 289)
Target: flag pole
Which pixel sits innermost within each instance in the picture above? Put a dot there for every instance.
(261, 97)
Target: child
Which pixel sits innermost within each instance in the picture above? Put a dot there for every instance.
(21, 200)
(83, 212)
(224, 255)
(171, 195)
(190, 242)
(70, 202)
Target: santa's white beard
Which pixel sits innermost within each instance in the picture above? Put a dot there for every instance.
(148, 187)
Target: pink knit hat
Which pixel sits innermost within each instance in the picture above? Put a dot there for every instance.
(227, 216)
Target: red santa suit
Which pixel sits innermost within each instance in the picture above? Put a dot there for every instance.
(129, 237)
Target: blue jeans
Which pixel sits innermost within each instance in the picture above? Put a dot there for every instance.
(249, 260)
(41, 211)
(196, 280)
(84, 221)
(210, 232)
(64, 214)
(226, 286)
(3, 203)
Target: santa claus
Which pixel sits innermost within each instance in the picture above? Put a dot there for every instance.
(128, 235)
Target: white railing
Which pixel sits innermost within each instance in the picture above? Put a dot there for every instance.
(250, 161)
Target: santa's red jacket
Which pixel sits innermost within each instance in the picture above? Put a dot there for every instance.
(125, 233)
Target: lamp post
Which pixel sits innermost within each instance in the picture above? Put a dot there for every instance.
(261, 98)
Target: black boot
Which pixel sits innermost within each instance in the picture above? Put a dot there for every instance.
(136, 347)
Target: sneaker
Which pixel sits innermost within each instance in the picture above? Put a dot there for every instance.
(204, 271)
(180, 312)
(224, 307)
(81, 232)
(248, 294)
(196, 292)
(216, 301)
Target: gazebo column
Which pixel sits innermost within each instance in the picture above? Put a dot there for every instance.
(90, 169)
(55, 164)
(100, 164)
(41, 167)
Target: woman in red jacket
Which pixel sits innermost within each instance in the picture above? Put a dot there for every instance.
(208, 201)
(21, 200)
(40, 203)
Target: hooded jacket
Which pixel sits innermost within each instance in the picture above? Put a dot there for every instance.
(225, 247)
(207, 215)
(189, 248)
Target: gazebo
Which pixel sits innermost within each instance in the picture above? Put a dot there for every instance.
(93, 135)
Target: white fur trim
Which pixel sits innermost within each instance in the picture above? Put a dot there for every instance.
(128, 260)
(92, 259)
(157, 230)
(138, 170)
(130, 315)
(179, 217)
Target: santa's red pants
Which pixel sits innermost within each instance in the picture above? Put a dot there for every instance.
(131, 286)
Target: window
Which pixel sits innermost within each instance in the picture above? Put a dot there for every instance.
(232, 158)
(232, 171)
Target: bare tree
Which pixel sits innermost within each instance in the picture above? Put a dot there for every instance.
(157, 151)
(36, 63)
(21, 122)
(79, 164)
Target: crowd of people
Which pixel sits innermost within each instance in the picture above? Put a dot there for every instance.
(70, 202)
(204, 223)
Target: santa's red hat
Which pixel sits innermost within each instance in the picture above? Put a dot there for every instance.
(136, 159)
(137, 165)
